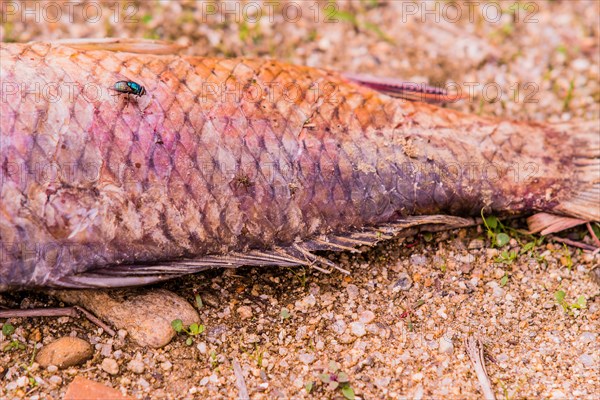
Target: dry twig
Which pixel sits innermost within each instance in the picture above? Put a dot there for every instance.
(239, 380)
(474, 349)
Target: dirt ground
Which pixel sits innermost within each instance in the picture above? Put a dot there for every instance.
(396, 325)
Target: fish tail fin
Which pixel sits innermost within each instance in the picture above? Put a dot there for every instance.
(584, 199)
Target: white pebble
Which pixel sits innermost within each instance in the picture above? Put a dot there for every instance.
(418, 259)
(306, 358)
(52, 368)
(367, 317)
(446, 345)
(339, 326)
(106, 350)
(587, 360)
(587, 337)
(55, 380)
(201, 347)
(166, 365)
(110, 366)
(245, 312)
(352, 291)
(136, 366)
(383, 382)
(143, 383)
(22, 381)
(308, 301)
(358, 329)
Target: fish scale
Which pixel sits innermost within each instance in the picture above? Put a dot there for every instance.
(188, 176)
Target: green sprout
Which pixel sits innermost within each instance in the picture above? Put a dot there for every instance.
(560, 295)
(337, 379)
(192, 330)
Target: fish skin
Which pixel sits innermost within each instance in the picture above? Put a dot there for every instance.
(202, 165)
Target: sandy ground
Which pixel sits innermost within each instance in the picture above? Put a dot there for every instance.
(395, 326)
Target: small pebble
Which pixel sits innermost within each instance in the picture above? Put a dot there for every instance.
(245, 312)
(476, 244)
(166, 365)
(22, 381)
(308, 301)
(417, 377)
(588, 337)
(358, 329)
(65, 352)
(143, 383)
(55, 380)
(135, 366)
(306, 358)
(446, 345)
(106, 350)
(367, 317)
(110, 366)
(402, 283)
(418, 259)
(587, 360)
(352, 291)
(201, 347)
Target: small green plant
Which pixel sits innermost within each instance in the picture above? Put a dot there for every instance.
(7, 330)
(569, 96)
(14, 345)
(560, 295)
(300, 274)
(337, 379)
(507, 257)
(504, 280)
(308, 386)
(566, 259)
(496, 231)
(214, 361)
(192, 330)
(199, 303)
(284, 314)
(257, 354)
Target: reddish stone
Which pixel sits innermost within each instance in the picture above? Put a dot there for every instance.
(84, 389)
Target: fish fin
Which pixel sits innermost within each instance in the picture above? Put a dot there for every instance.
(141, 46)
(405, 90)
(127, 275)
(546, 224)
(297, 254)
(584, 199)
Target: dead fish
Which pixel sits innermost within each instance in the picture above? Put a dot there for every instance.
(230, 162)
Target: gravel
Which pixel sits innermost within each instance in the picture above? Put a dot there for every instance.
(369, 322)
(110, 366)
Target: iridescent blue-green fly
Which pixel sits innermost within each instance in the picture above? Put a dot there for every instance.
(129, 87)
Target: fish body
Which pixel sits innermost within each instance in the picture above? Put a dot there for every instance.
(239, 161)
